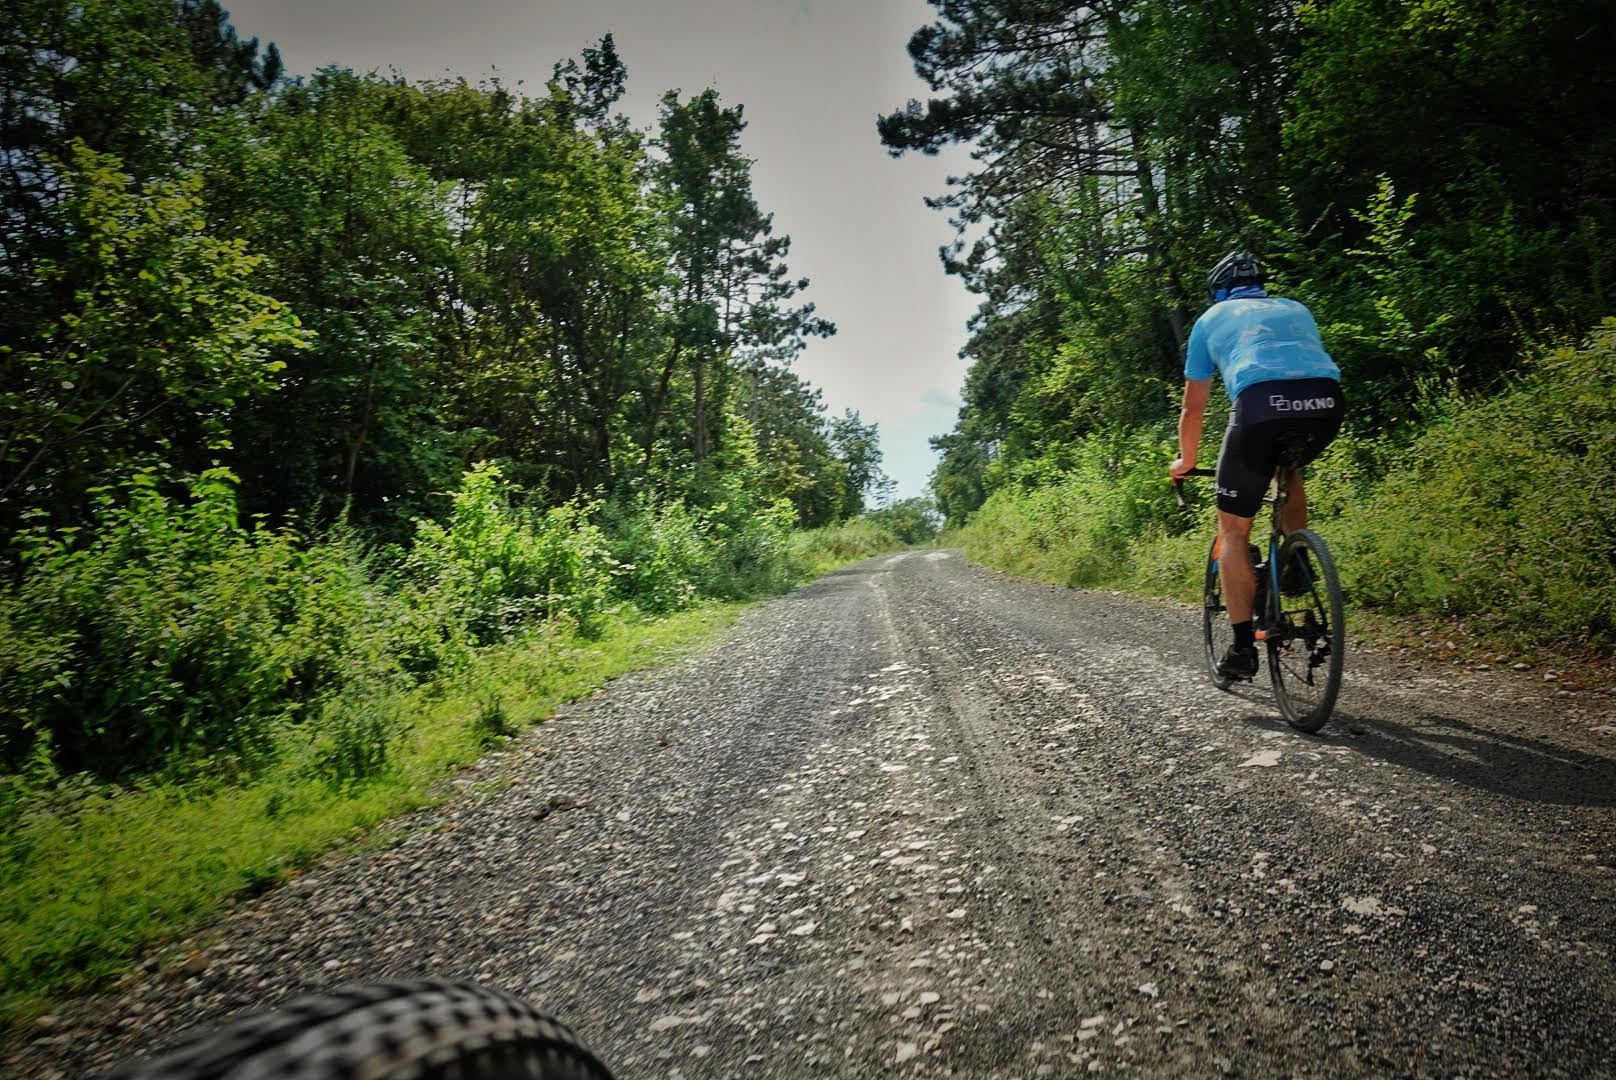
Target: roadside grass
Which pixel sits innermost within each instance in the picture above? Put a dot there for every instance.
(96, 876)
(1168, 569)
(818, 551)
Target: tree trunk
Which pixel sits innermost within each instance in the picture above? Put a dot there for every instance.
(701, 410)
(1155, 241)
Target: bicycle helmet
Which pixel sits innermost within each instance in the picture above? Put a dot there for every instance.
(1234, 270)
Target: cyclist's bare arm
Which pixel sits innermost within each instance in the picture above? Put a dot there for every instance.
(1196, 392)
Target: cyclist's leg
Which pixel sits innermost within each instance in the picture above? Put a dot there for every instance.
(1234, 568)
(1295, 516)
(1245, 462)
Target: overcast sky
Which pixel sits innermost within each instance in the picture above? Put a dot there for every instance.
(813, 76)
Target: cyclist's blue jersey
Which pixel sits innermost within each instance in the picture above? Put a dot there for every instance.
(1257, 339)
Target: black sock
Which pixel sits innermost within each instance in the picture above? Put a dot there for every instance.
(1244, 636)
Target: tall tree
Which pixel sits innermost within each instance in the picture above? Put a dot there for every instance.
(104, 105)
(1116, 144)
(354, 236)
(793, 437)
(858, 445)
(160, 338)
(730, 280)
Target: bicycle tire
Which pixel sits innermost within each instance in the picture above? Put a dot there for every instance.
(1215, 630)
(1307, 641)
(421, 1030)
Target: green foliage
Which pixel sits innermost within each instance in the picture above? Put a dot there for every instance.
(858, 446)
(506, 567)
(817, 551)
(166, 631)
(355, 237)
(911, 521)
(1504, 506)
(746, 526)
(1075, 521)
(794, 443)
(661, 552)
(734, 543)
(159, 319)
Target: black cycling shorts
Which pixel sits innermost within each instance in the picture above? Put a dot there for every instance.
(1287, 423)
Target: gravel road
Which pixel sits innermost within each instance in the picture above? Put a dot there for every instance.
(918, 818)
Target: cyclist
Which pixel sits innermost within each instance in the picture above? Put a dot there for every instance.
(1287, 407)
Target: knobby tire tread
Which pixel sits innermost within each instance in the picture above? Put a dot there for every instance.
(422, 1030)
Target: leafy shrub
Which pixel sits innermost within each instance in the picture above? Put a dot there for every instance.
(1505, 505)
(1076, 521)
(355, 737)
(166, 631)
(816, 551)
(911, 521)
(749, 531)
(505, 567)
(750, 546)
(661, 553)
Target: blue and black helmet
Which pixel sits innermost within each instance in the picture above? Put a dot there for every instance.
(1234, 270)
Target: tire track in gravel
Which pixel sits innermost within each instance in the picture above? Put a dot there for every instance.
(1343, 900)
(922, 819)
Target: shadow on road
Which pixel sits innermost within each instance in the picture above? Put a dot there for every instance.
(1519, 766)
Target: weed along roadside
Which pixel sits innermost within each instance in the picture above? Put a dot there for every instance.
(104, 870)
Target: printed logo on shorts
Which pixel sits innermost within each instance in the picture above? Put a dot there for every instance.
(1281, 403)
(1227, 493)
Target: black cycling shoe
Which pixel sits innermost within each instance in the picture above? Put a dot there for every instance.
(1239, 663)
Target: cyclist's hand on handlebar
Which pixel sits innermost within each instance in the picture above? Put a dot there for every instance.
(1179, 468)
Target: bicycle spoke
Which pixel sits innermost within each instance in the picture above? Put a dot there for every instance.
(1305, 651)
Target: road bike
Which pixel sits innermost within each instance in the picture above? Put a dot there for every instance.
(385, 1031)
(1297, 613)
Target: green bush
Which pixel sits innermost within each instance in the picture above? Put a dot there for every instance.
(166, 631)
(661, 553)
(504, 567)
(816, 551)
(1505, 505)
(1076, 521)
(911, 521)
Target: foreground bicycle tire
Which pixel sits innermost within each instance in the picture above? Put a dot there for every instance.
(385, 1031)
(1215, 619)
(1307, 637)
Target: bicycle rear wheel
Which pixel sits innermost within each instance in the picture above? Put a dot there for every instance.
(385, 1031)
(1307, 641)
(1215, 619)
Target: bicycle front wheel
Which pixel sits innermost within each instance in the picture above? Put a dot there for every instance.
(1307, 644)
(1215, 628)
(386, 1031)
